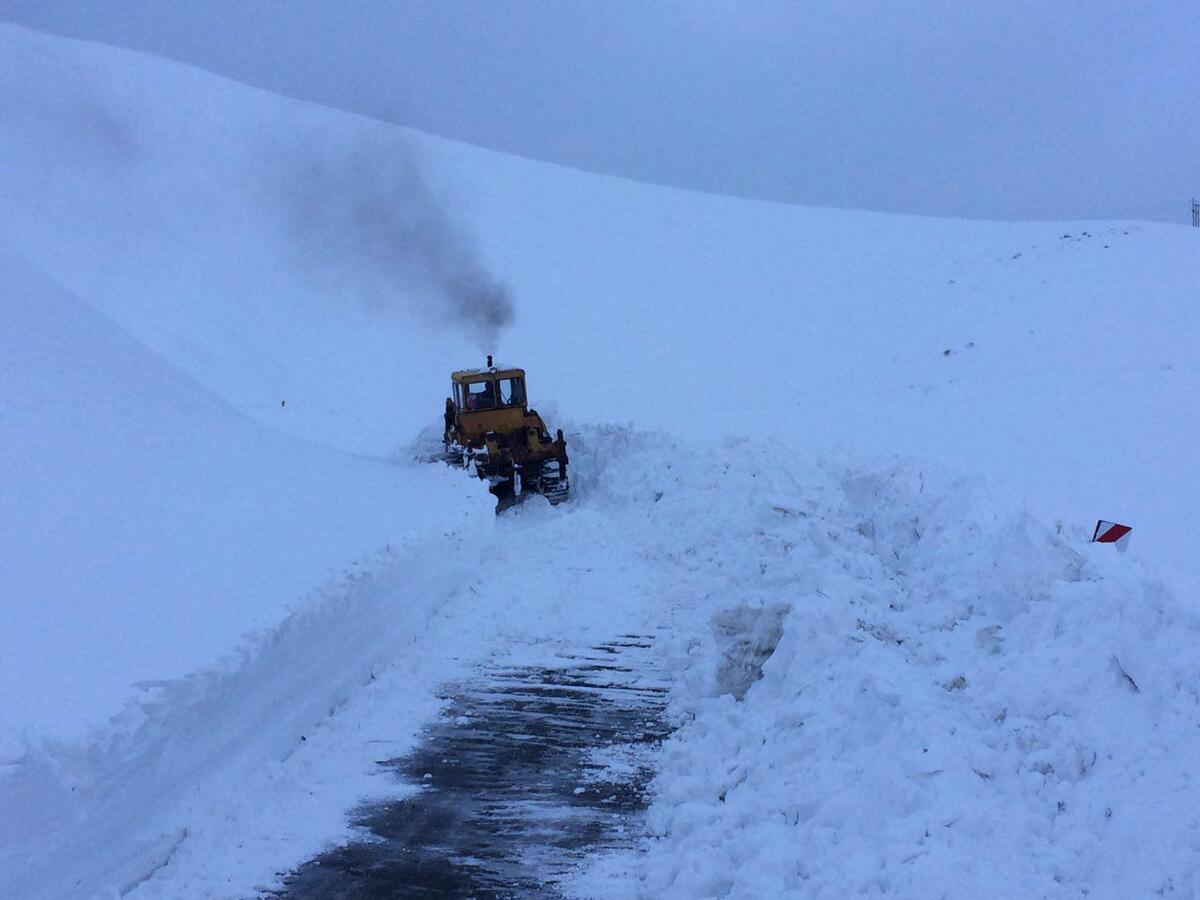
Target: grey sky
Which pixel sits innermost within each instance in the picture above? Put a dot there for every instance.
(1008, 109)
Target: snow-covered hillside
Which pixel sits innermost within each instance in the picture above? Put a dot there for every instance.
(237, 233)
(229, 316)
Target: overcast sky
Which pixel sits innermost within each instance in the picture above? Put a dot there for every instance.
(1008, 109)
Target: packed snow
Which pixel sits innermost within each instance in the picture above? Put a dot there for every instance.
(845, 465)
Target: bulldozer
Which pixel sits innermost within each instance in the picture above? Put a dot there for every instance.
(492, 432)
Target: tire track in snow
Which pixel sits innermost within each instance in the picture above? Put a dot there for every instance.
(531, 770)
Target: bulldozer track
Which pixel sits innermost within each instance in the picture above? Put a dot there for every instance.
(517, 784)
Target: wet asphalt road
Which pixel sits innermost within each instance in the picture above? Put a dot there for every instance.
(530, 771)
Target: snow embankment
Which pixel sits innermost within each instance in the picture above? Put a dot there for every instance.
(955, 699)
(183, 769)
(147, 527)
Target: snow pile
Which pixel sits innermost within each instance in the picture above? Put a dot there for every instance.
(962, 703)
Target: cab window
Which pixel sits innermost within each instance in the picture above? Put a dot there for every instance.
(512, 391)
(480, 395)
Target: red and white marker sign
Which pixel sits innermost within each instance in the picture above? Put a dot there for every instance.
(1112, 533)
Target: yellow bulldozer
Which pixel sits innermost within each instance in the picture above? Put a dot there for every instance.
(492, 432)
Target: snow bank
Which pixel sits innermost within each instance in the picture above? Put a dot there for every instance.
(205, 752)
(962, 702)
(148, 526)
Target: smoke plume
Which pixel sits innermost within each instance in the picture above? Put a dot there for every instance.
(367, 221)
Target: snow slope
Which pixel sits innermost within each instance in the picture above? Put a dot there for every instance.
(229, 315)
(147, 525)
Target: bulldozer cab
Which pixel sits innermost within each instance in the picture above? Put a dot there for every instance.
(492, 399)
(491, 430)
(475, 392)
